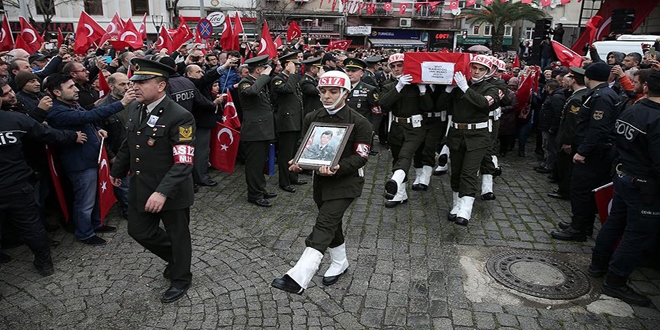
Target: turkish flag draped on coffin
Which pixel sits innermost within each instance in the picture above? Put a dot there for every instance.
(424, 66)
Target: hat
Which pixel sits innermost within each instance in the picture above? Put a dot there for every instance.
(513, 81)
(23, 78)
(598, 71)
(374, 59)
(290, 57)
(257, 61)
(354, 63)
(37, 57)
(144, 69)
(314, 61)
(577, 70)
(329, 57)
(168, 61)
(560, 71)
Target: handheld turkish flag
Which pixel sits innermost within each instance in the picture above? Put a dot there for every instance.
(266, 46)
(566, 56)
(87, 33)
(224, 147)
(198, 40)
(592, 27)
(339, 44)
(181, 34)
(113, 30)
(516, 62)
(293, 32)
(6, 38)
(60, 38)
(524, 93)
(31, 39)
(57, 183)
(229, 114)
(143, 27)
(106, 193)
(104, 88)
(278, 42)
(546, 3)
(226, 41)
(238, 29)
(164, 40)
(603, 196)
(129, 37)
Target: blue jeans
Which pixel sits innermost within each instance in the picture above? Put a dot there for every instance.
(86, 213)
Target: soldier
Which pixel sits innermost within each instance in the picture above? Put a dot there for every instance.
(407, 104)
(373, 65)
(288, 98)
(435, 129)
(159, 152)
(258, 128)
(311, 98)
(566, 133)
(321, 151)
(334, 188)
(469, 137)
(363, 98)
(592, 160)
(635, 209)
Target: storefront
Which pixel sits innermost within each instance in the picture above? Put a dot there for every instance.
(389, 38)
(441, 39)
(483, 40)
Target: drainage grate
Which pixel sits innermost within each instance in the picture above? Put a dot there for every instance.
(538, 275)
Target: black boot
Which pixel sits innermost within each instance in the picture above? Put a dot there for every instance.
(599, 265)
(615, 286)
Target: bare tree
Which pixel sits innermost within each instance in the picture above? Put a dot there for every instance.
(45, 8)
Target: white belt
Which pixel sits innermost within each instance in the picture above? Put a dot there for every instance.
(434, 114)
(496, 114)
(402, 120)
(470, 126)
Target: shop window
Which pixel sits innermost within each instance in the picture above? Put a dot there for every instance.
(94, 7)
(508, 31)
(488, 30)
(139, 7)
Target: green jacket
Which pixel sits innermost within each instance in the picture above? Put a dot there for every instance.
(363, 98)
(406, 103)
(288, 100)
(258, 121)
(311, 96)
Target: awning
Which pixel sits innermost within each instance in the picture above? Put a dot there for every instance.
(396, 43)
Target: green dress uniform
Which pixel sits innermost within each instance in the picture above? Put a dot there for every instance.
(288, 122)
(435, 128)
(490, 163)
(364, 99)
(566, 136)
(369, 78)
(257, 129)
(311, 97)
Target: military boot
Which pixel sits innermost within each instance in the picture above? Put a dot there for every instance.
(487, 187)
(297, 278)
(455, 202)
(401, 197)
(599, 265)
(418, 178)
(392, 185)
(442, 162)
(338, 266)
(465, 210)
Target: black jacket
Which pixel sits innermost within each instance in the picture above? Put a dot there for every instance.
(550, 115)
(595, 120)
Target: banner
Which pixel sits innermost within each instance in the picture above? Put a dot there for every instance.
(106, 193)
(603, 196)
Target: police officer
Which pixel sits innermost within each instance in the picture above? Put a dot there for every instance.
(335, 188)
(635, 213)
(373, 65)
(469, 137)
(311, 98)
(288, 118)
(592, 160)
(17, 200)
(407, 104)
(566, 134)
(363, 97)
(159, 152)
(258, 128)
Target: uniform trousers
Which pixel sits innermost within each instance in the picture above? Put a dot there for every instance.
(202, 148)
(425, 154)
(637, 219)
(487, 164)
(255, 156)
(172, 244)
(286, 151)
(404, 141)
(465, 165)
(587, 176)
(564, 170)
(327, 231)
(20, 208)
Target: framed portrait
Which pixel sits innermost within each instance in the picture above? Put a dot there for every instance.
(322, 145)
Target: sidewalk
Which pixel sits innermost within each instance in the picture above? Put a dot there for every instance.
(410, 267)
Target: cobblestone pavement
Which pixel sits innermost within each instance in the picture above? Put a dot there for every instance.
(408, 266)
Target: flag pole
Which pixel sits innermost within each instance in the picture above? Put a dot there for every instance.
(100, 149)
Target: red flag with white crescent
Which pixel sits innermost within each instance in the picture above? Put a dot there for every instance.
(454, 5)
(566, 56)
(339, 44)
(278, 42)
(387, 6)
(104, 88)
(238, 29)
(226, 41)
(143, 27)
(224, 148)
(57, 183)
(402, 8)
(603, 196)
(6, 37)
(266, 46)
(106, 193)
(60, 37)
(130, 37)
(293, 32)
(546, 3)
(164, 40)
(113, 30)
(32, 39)
(229, 114)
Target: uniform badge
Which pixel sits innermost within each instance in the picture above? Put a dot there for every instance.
(359, 105)
(152, 121)
(598, 115)
(185, 133)
(151, 142)
(245, 85)
(575, 109)
(278, 82)
(376, 96)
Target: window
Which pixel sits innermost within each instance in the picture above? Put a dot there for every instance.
(45, 7)
(508, 31)
(529, 33)
(139, 7)
(94, 7)
(488, 30)
(475, 29)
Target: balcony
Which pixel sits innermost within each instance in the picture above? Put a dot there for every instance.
(421, 10)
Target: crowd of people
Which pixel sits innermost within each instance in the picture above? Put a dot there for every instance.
(156, 120)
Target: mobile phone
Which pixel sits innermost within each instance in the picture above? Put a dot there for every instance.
(49, 46)
(108, 59)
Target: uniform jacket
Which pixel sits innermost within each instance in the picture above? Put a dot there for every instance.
(159, 157)
(595, 120)
(347, 182)
(363, 98)
(78, 157)
(369, 78)
(115, 125)
(14, 127)
(288, 98)
(638, 140)
(258, 120)
(566, 133)
(406, 103)
(311, 96)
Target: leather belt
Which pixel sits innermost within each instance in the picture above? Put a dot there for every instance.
(470, 126)
(402, 120)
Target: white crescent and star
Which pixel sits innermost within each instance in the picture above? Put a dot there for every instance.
(34, 36)
(90, 29)
(3, 34)
(123, 36)
(262, 47)
(104, 163)
(160, 41)
(112, 27)
(231, 104)
(231, 138)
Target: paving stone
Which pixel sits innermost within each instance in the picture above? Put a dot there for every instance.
(462, 317)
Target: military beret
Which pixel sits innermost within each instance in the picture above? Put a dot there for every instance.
(598, 71)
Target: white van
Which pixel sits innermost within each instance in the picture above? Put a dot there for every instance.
(626, 43)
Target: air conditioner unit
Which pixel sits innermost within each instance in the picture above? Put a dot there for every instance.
(405, 22)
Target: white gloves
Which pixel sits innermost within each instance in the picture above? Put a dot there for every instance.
(461, 82)
(422, 89)
(449, 88)
(404, 80)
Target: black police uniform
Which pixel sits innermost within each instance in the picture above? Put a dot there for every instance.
(257, 130)
(17, 202)
(288, 120)
(159, 152)
(635, 213)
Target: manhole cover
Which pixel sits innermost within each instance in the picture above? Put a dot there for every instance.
(538, 275)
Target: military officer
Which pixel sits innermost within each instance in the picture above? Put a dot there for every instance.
(159, 152)
(288, 118)
(373, 64)
(311, 98)
(258, 128)
(407, 104)
(592, 160)
(363, 97)
(468, 138)
(335, 188)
